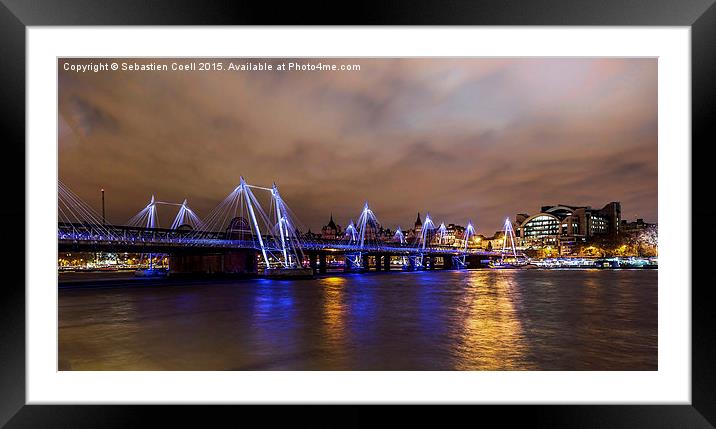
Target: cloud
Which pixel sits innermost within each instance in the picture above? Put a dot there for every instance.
(477, 139)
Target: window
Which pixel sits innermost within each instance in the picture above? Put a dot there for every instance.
(541, 226)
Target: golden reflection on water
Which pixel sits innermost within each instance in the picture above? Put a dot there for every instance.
(334, 313)
(491, 335)
(593, 296)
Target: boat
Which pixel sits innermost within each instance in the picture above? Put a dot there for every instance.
(501, 265)
(288, 273)
(498, 265)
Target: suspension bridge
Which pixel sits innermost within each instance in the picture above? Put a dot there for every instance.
(251, 230)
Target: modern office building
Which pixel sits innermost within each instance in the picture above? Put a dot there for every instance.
(563, 224)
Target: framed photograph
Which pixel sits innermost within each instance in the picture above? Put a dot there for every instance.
(477, 204)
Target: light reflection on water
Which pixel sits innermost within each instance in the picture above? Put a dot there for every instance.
(460, 320)
(334, 320)
(490, 333)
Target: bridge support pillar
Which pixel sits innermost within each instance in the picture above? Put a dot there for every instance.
(431, 262)
(322, 263)
(447, 262)
(348, 265)
(313, 259)
(365, 261)
(475, 261)
(386, 262)
(378, 262)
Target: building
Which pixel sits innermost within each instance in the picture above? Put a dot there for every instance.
(312, 235)
(374, 231)
(331, 231)
(564, 226)
(454, 235)
(493, 243)
(634, 227)
(417, 230)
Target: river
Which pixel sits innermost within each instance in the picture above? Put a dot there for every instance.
(441, 320)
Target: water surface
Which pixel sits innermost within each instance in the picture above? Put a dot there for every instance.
(443, 320)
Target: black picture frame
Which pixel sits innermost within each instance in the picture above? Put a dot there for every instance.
(16, 15)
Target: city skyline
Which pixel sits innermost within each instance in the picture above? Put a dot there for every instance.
(463, 139)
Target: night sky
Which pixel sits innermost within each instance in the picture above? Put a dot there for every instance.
(479, 139)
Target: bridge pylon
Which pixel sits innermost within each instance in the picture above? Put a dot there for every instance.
(461, 261)
(508, 241)
(424, 240)
(273, 232)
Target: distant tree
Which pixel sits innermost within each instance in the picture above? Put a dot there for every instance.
(647, 241)
(489, 246)
(608, 245)
(533, 253)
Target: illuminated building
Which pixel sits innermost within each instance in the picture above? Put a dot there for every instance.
(331, 231)
(454, 235)
(418, 225)
(417, 229)
(494, 242)
(312, 235)
(563, 225)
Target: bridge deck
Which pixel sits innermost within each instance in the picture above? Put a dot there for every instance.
(97, 237)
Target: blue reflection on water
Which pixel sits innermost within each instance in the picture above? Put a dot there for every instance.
(273, 299)
(361, 311)
(430, 299)
(273, 323)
